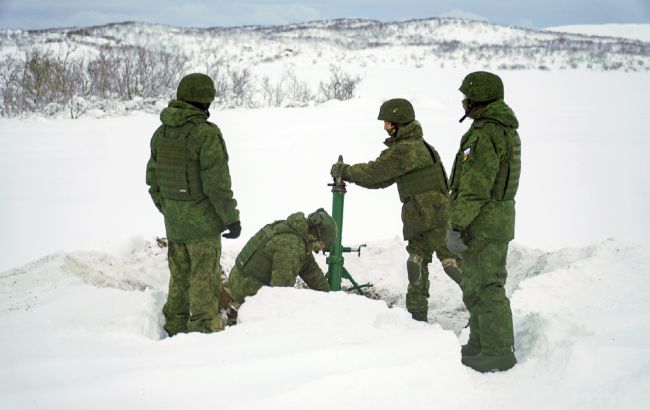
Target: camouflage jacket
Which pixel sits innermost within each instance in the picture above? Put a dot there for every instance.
(485, 176)
(210, 210)
(276, 261)
(416, 168)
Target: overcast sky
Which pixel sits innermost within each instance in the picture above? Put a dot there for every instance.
(32, 14)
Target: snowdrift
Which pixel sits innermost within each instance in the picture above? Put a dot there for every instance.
(84, 330)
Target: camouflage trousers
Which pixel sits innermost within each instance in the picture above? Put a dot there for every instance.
(194, 287)
(484, 278)
(242, 285)
(424, 245)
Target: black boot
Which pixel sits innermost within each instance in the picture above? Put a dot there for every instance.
(420, 316)
(470, 350)
(488, 363)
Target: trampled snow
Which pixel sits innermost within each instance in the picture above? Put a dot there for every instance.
(83, 281)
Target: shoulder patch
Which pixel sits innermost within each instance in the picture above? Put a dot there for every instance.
(467, 152)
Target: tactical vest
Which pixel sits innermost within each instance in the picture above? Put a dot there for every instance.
(258, 266)
(178, 176)
(430, 178)
(506, 182)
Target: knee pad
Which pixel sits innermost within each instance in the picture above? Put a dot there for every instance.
(452, 270)
(414, 268)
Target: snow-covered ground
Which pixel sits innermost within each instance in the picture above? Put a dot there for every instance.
(82, 282)
(78, 331)
(631, 31)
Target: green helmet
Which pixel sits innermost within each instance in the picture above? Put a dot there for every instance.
(324, 226)
(481, 86)
(397, 110)
(196, 87)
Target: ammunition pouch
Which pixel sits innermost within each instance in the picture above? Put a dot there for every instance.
(178, 176)
(429, 178)
(507, 180)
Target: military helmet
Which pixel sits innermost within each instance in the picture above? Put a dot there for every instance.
(323, 224)
(481, 86)
(397, 110)
(196, 87)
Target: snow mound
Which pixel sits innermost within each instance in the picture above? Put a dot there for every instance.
(86, 327)
(294, 309)
(89, 292)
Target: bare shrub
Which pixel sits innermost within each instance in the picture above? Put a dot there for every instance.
(242, 86)
(42, 80)
(272, 94)
(298, 92)
(340, 86)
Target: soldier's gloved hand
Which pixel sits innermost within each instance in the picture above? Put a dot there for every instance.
(234, 229)
(454, 242)
(338, 170)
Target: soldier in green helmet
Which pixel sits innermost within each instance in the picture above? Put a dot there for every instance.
(280, 252)
(484, 181)
(189, 183)
(416, 168)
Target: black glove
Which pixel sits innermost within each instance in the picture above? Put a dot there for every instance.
(338, 170)
(234, 229)
(454, 242)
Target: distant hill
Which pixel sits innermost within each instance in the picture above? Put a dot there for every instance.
(77, 70)
(629, 31)
(430, 42)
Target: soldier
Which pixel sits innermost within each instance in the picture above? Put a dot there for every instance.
(189, 183)
(282, 250)
(416, 168)
(484, 182)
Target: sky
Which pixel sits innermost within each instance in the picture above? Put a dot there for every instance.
(38, 14)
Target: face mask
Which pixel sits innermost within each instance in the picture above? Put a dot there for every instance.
(466, 105)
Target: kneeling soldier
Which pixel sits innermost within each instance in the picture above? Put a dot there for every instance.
(282, 250)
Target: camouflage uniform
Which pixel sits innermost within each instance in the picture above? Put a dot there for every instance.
(189, 182)
(278, 253)
(484, 181)
(416, 168)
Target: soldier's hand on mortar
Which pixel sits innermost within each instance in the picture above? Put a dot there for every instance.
(234, 229)
(454, 242)
(338, 170)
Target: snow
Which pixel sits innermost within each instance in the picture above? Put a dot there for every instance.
(82, 280)
(631, 31)
(76, 337)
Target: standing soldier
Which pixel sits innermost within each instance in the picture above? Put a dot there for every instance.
(282, 250)
(189, 183)
(416, 168)
(484, 182)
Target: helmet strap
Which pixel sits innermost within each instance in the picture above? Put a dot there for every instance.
(472, 106)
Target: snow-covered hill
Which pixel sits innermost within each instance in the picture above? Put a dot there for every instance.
(429, 42)
(630, 31)
(124, 66)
